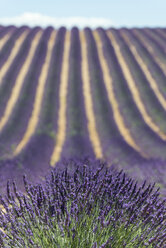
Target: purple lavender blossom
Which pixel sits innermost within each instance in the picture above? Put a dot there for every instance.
(125, 214)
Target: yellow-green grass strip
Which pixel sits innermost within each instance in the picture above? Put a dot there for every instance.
(19, 81)
(92, 129)
(5, 39)
(108, 81)
(151, 50)
(133, 88)
(15, 50)
(145, 70)
(61, 132)
(34, 119)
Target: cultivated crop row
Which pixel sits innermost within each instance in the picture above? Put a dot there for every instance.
(81, 92)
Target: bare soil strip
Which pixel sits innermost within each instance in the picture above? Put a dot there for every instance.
(160, 33)
(144, 67)
(151, 50)
(133, 88)
(157, 37)
(92, 129)
(13, 54)
(61, 132)
(19, 81)
(124, 131)
(5, 39)
(38, 98)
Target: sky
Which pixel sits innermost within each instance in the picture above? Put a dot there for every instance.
(92, 13)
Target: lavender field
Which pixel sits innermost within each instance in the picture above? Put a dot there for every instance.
(71, 94)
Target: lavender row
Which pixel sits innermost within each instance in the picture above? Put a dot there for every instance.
(156, 39)
(153, 67)
(36, 155)
(113, 144)
(35, 158)
(10, 131)
(77, 137)
(15, 130)
(128, 110)
(151, 40)
(132, 117)
(149, 97)
(9, 78)
(10, 43)
(146, 96)
(11, 75)
(161, 33)
(5, 30)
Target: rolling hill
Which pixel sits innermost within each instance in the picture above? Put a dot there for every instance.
(73, 93)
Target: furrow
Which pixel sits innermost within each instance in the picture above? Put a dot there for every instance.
(32, 124)
(124, 131)
(145, 69)
(14, 130)
(5, 39)
(42, 142)
(151, 50)
(161, 33)
(148, 95)
(155, 43)
(61, 132)
(142, 134)
(19, 82)
(133, 88)
(13, 54)
(93, 133)
(157, 38)
(77, 141)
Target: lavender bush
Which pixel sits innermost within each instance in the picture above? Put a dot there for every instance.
(83, 204)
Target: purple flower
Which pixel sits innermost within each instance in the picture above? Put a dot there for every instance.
(71, 195)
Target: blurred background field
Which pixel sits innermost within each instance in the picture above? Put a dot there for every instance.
(80, 81)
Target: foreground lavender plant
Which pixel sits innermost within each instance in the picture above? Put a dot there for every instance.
(85, 204)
